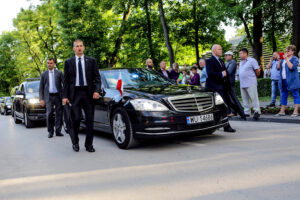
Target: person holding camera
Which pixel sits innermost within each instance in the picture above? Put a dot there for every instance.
(289, 80)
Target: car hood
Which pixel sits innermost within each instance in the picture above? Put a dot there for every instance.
(160, 92)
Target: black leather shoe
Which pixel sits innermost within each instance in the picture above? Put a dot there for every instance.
(50, 135)
(256, 116)
(59, 134)
(229, 129)
(90, 149)
(271, 105)
(76, 147)
(246, 115)
(244, 118)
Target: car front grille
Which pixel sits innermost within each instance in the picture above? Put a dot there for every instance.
(191, 102)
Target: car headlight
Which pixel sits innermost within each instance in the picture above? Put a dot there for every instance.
(218, 99)
(147, 105)
(34, 101)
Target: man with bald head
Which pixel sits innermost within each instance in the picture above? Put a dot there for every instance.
(218, 81)
(149, 64)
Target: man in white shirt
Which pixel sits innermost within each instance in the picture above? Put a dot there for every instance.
(248, 72)
(51, 96)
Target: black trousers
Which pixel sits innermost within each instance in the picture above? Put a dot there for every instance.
(82, 101)
(54, 103)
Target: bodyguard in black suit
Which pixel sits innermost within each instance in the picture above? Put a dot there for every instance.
(50, 94)
(218, 80)
(82, 84)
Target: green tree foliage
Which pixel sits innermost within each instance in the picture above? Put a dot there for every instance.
(8, 71)
(124, 33)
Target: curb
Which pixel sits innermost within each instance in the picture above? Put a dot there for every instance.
(266, 118)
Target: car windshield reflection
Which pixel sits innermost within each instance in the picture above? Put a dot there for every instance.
(134, 78)
(33, 87)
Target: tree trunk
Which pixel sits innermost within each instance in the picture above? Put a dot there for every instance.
(166, 32)
(196, 29)
(296, 24)
(249, 37)
(149, 36)
(257, 31)
(273, 38)
(119, 40)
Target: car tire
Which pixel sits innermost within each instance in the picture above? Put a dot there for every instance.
(27, 122)
(123, 132)
(16, 120)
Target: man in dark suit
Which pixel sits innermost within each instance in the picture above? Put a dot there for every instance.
(218, 80)
(82, 84)
(163, 69)
(51, 92)
(231, 69)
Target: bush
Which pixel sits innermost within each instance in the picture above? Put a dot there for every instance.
(263, 87)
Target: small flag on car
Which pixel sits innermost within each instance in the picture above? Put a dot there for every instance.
(119, 84)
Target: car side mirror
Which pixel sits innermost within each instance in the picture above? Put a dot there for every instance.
(102, 92)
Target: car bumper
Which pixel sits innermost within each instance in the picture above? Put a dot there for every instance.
(174, 123)
(37, 114)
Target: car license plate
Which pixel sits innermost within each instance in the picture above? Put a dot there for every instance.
(200, 119)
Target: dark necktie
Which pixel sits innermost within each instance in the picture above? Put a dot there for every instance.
(222, 64)
(81, 82)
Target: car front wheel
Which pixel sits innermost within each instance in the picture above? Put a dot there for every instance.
(27, 121)
(16, 120)
(122, 129)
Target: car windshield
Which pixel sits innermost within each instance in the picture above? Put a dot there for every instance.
(33, 87)
(8, 100)
(134, 78)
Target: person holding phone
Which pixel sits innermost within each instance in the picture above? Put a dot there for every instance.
(289, 80)
(275, 75)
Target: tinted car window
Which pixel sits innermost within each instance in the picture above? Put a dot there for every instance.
(134, 78)
(33, 87)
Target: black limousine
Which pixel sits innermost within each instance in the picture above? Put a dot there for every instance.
(153, 106)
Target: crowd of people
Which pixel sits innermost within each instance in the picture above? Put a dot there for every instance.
(282, 71)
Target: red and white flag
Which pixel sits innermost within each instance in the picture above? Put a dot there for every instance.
(119, 84)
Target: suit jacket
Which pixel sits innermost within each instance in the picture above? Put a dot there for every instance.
(160, 71)
(92, 76)
(215, 79)
(220, 84)
(231, 68)
(44, 84)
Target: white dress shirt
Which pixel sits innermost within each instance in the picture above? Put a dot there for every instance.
(83, 71)
(283, 70)
(52, 86)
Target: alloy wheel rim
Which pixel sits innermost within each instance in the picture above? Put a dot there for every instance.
(119, 128)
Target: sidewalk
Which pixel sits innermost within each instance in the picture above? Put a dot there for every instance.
(271, 117)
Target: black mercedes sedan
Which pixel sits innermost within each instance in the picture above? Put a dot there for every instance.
(153, 106)
(26, 104)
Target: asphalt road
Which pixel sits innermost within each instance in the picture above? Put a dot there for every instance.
(261, 161)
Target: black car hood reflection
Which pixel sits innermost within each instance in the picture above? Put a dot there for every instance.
(158, 92)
